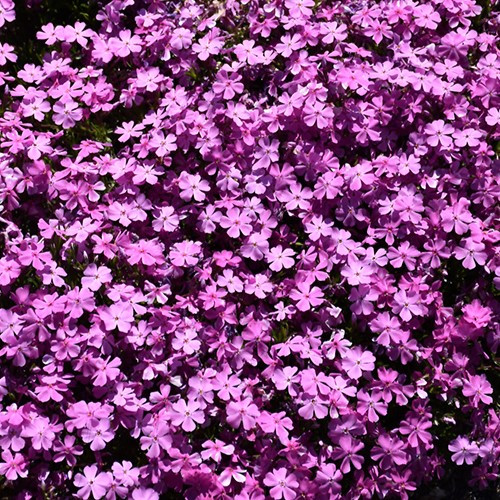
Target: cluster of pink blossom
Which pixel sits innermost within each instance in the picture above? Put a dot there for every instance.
(249, 250)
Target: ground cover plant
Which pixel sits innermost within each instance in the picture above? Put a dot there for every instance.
(249, 249)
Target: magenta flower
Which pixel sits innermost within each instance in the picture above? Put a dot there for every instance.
(356, 361)
(406, 305)
(439, 133)
(13, 466)
(119, 316)
(471, 253)
(67, 113)
(98, 436)
(371, 405)
(457, 217)
(187, 415)
(163, 144)
(463, 451)
(228, 84)
(357, 272)
(478, 388)
(242, 412)
(281, 484)
(91, 482)
(315, 407)
(250, 246)
(276, 423)
(215, 449)
(307, 297)
(106, 370)
(125, 44)
(347, 452)
(237, 222)
(329, 478)
(390, 450)
(416, 430)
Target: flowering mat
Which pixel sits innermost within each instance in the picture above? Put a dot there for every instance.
(249, 249)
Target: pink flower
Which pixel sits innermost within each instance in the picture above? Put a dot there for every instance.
(463, 451)
(98, 435)
(319, 114)
(315, 407)
(166, 219)
(228, 84)
(185, 253)
(192, 186)
(147, 173)
(187, 415)
(128, 130)
(255, 246)
(266, 153)
(287, 378)
(329, 478)
(416, 430)
(242, 412)
(145, 494)
(119, 316)
(439, 133)
(348, 452)
(67, 451)
(207, 46)
(106, 371)
(282, 484)
(476, 314)
(357, 361)
(42, 433)
(125, 44)
(426, 17)
(259, 285)
(371, 405)
(94, 277)
(477, 387)
(248, 52)
(237, 222)
(149, 79)
(14, 466)
(232, 473)
(318, 227)
(390, 450)
(51, 389)
(357, 272)
(406, 305)
(186, 341)
(163, 144)
(493, 117)
(125, 473)
(181, 38)
(91, 482)
(147, 252)
(360, 175)
(295, 197)
(471, 253)
(457, 217)
(47, 33)
(404, 254)
(307, 297)
(288, 44)
(67, 113)
(467, 137)
(276, 423)
(332, 31)
(7, 53)
(215, 449)
(435, 250)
